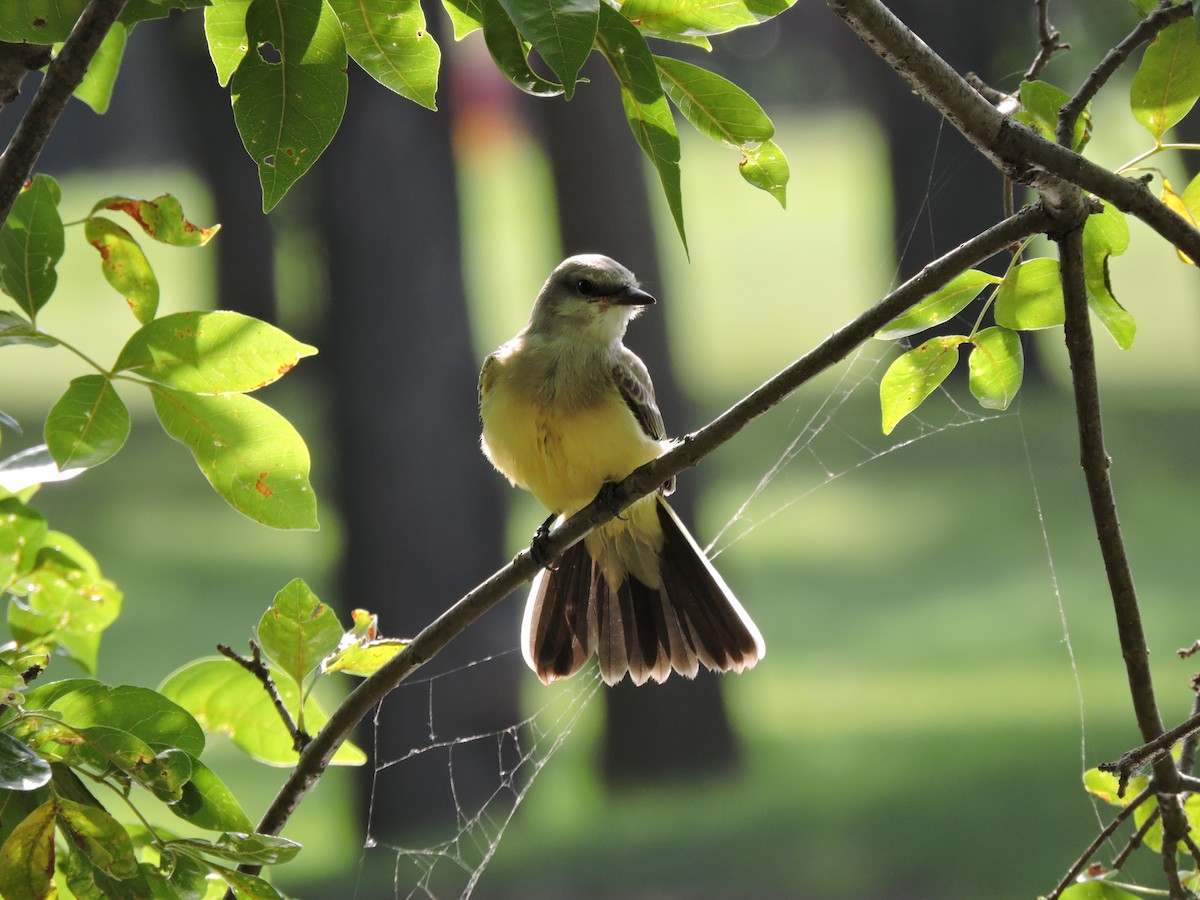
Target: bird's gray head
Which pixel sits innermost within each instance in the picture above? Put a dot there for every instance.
(588, 296)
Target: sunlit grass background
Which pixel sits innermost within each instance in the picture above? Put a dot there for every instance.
(916, 728)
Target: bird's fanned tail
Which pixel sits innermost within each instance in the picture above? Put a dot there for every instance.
(692, 618)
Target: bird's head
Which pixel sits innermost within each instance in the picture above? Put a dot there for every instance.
(588, 297)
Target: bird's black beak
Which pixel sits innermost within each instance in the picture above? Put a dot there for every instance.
(633, 296)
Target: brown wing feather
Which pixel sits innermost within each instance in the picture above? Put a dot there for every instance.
(637, 390)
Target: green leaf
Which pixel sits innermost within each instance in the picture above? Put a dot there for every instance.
(938, 306)
(716, 107)
(673, 19)
(646, 107)
(465, 15)
(146, 714)
(1167, 83)
(1105, 235)
(914, 376)
(766, 168)
(996, 365)
(67, 548)
(1030, 296)
(225, 30)
(38, 21)
(20, 768)
(210, 353)
(97, 86)
(31, 244)
(1095, 890)
(105, 749)
(181, 878)
(161, 218)
(65, 605)
(562, 32)
(124, 265)
(86, 882)
(242, 848)
(250, 454)
(361, 651)
(246, 887)
(390, 41)
(298, 631)
(227, 699)
(208, 803)
(88, 424)
(1041, 103)
(289, 91)
(22, 531)
(510, 52)
(15, 329)
(27, 856)
(140, 10)
(99, 837)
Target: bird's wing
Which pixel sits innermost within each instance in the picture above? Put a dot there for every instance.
(633, 381)
(637, 390)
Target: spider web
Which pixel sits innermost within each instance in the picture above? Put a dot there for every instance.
(830, 438)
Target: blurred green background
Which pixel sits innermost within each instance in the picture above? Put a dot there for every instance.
(942, 658)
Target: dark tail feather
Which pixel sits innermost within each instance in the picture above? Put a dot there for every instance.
(691, 618)
(555, 635)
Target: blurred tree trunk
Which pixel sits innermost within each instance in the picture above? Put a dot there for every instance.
(680, 727)
(422, 514)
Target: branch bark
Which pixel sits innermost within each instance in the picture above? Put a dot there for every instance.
(689, 451)
(62, 77)
(1025, 157)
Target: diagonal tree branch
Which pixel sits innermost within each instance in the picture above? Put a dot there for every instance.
(1025, 157)
(689, 451)
(62, 77)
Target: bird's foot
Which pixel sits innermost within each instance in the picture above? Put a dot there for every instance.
(537, 546)
(607, 498)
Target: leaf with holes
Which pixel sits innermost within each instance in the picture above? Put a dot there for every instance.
(1167, 83)
(38, 21)
(88, 424)
(996, 364)
(227, 699)
(1106, 235)
(124, 265)
(298, 631)
(250, 454)
(211, 352)
(914, 376)
(289, 91)
(646, 108)
(1030, 296)
(938, 306)
(31, 244)
(390, 41)
(562, 32)
(225, 32)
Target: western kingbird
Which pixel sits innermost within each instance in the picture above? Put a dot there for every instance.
(566, 408)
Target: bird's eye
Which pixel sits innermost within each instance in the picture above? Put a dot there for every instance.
(585, 287)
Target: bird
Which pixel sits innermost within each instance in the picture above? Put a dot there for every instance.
(566, 410)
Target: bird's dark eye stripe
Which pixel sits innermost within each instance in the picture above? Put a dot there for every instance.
(585, 287)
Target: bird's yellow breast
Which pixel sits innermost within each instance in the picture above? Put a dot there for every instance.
(562, 454)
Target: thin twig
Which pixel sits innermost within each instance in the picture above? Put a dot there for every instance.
(1049, 41)
(687, 453)
(1135, 839)
(1153, 750)
(1185, 652)
(1187, 753)
(256, 667)
(62, 77)
(1094, 847)
(1146, 30)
